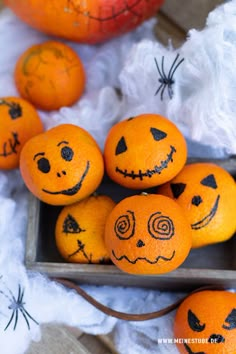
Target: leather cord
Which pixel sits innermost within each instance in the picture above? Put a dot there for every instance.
(126, 316)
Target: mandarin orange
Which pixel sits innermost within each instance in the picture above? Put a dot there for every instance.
(147, 234)
(50, 75)
(207, 193)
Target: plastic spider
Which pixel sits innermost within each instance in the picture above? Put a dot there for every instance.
(167, 81)
(16, 305)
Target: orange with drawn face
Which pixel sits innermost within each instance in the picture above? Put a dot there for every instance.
(147, 234)
(79, 231)
(144, 151)
(89, 21)
(19, 121)
(62, 165)
(207, 193)
(206, 321)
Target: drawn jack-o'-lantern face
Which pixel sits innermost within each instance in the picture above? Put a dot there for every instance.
(62, 165)
(207, 193)
(147, 234)
(144, 151)
(207, 322)
(19, 122)
(89, 21)
(79, 232)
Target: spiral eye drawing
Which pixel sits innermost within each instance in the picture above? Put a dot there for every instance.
(167, 81)
(160, 226)
(17, 304)
(125, 226)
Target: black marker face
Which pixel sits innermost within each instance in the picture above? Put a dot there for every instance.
(67, 154)
(124, 146)
(206, 185)
(159, 227)
(71, 226)
(194, 322)
(11, 146)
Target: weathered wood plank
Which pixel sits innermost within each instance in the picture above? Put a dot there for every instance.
(188, 14)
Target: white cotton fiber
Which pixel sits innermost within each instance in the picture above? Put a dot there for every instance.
(122, 80)
(204, 104)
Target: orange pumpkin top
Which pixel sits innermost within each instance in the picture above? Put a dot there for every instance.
(19, 121)
(89, 21)
(62, 165)
(147, 234)
(50, 75)
(207, 193)
(206, 321)
(144, 151)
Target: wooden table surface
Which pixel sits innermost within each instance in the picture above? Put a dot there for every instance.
(174, 20)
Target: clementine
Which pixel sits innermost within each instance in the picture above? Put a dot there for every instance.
(50, 75)
(205, 322)
(207, 193)
(144, 151)
(147, 234)
(19, 122)
(62, 165)
(79, 231)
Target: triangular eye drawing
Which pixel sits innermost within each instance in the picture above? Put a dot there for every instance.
(194, 322)
(209, 181)
(121, 146)
(70, 225)
(177, 189)
(158, 134)
(231, 320)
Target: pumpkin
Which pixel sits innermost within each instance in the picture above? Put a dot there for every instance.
(89, 21)
(147, 234)
(144, 151)
(79, 231)
(205, 323)
(62, 165)
(207, 193)
(19, 122)
(50, 75)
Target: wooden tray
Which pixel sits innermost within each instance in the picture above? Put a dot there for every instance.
(211, 265)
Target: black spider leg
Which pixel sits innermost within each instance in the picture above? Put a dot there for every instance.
(162, 78)
(171, 74)
(14, 312)
(17, 305)
(26, 313)
(167, 81)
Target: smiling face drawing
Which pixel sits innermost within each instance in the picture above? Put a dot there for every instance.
(144, 232)
(208, 320)
(62, 165)
(19, 122)
(207, 193)
(144, 151)
(90, 21)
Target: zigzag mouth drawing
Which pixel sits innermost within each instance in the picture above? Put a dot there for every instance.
(206, 220)
(149, 173)
(155, 261)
